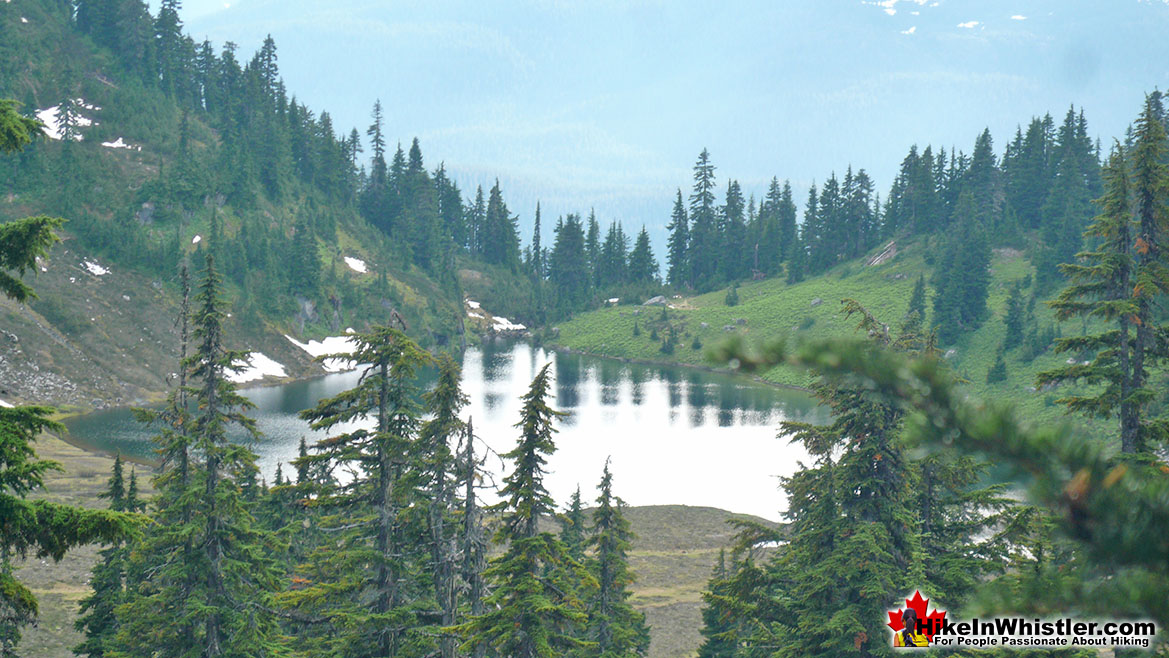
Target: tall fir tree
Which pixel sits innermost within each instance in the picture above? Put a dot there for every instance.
(533, 610)
(678, 249)
(618, 629)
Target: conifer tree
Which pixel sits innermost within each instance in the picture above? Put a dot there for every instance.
(473, 541)
(370, 611)
(533, 610)
(717, 626)
(443, 404)
(33, 526)
(205, 558)
(917, 299)
(97, 621)
(1013, 318)
(617, 628)
(573, 531)
(1104, 286)
(643, 267)
(962, 279)
(704, 251)
(678, 249)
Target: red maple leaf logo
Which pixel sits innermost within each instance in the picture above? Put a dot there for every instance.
(930, 623)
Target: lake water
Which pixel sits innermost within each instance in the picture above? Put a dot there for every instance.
(675, 435)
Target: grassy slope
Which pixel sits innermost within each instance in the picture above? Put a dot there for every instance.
(771, 308)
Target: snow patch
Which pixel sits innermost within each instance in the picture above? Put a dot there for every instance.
(119, 143)
(472, 304)
(197, 239)
(503, 324)
(612, 300)
(356, 264)
(5, 405)
(330, 345)
(94, 268)
(969, 24)
(256, 366)
(51, 117)
(23, 19)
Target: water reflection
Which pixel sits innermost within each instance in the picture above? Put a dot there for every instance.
(675, 435)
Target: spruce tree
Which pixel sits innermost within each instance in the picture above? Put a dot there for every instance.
(533, 610)
(205, 558)
(643, 267)
(917, 299)
(573, 531)
(97, 621)
(366, 585)
(703, 252)
(618, 630)
(1104, 286)
(1013, 319)
(443, 404)
(678, 248)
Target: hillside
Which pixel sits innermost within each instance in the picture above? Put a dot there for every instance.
(811, 308)
(218, 159)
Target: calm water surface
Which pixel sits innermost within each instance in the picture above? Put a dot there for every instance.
(675, 435)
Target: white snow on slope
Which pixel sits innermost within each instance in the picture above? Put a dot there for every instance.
(119, 143)
(94, 268)
(5, 404)
(51, 118)
(256, 366)
(472, 304)
(356, 264)
(330, 345)
(503, 324)
(197, 239)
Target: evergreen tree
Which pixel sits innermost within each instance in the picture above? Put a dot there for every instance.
(33, 526)
(917, 299)
(998, 371)
(962, 279)
(97, 621)
(703, 251)
(678, 254)
(717, 628)
(734, 264)
(573, 531)
(613, 624)
(643, 267)
(1103, 286)
(501, 242)
(205, 558)
(568, 268)
(533, 611)
(1014, 318)
(366, 585)
(439, 472)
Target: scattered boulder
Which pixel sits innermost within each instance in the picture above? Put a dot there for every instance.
(704, 325)
(728, 327)
(742, 322)
(655, 301)
(817, 302)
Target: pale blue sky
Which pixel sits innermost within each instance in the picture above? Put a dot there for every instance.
(606, 104)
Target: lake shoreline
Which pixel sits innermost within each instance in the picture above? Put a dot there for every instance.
(678, 364)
